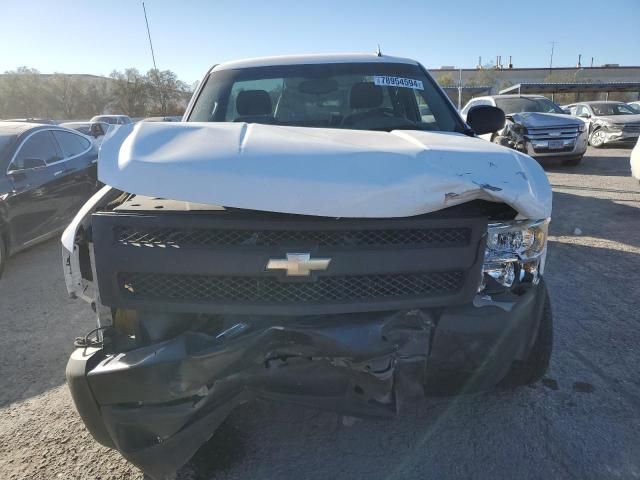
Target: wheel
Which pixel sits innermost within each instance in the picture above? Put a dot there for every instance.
(573, 161)
(597, 138)
(535, 366)
(3, 254)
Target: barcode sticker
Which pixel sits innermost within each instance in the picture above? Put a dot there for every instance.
(386, 81)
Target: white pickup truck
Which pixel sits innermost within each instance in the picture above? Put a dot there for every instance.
(323, 230)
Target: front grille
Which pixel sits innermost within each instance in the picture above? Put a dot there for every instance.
(202, 237)
(205, 262)
(269, 290)
(564, 132)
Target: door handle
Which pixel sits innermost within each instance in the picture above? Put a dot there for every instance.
(59, 172)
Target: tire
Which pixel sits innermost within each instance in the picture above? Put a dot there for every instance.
(537, 363)
(596, 139)
(573, 162)
(3, 254)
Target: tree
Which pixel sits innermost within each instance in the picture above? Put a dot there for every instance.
(484, 77)
(66, 94)
(96, 97)
(166, 91)
(446, 80)
(22, 94)
(130, 92)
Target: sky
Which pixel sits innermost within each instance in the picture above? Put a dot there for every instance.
(189, 36)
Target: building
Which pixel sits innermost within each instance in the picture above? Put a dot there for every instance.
(502, 78)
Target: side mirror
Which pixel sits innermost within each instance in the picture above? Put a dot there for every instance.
(28, 164)
(485, 119)
(584, 115)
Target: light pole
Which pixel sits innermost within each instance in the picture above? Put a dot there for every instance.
(553, 46)
(575, 75)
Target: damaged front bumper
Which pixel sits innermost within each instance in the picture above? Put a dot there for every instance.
(570, 147)
(157, 404)
(615, 135)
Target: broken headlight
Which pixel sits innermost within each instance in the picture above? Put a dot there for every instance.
(514, 254)
(519, 129)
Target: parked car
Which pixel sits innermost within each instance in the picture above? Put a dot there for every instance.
(635, 161)
(43, 121)
(112, 119)
(566, 109)
(97, 130)
(635, 106)
(171, 118)
(46, 174)
(608, 122)
(536, 126)
(334, 243)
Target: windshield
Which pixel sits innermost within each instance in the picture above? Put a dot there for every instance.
(368, 96)
(83, 129)
(606, 109)
(79, 127)
(109, 120)
(527, 104)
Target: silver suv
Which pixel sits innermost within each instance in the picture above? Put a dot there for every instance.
(608, 122)
(536, 126)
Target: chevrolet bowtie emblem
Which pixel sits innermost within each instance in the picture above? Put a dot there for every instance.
(298, 264)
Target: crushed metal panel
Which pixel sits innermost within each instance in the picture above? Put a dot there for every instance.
(160, 403)
(321, 172)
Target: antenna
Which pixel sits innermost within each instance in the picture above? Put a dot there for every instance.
(153, 57)
(378, 51)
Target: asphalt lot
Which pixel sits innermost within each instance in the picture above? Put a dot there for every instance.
(582, 421)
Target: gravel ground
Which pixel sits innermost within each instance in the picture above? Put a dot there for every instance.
(582, 421)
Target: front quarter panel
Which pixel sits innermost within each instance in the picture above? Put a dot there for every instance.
(77, 286)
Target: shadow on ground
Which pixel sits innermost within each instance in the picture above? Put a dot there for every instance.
(38, 322)
(614, 162)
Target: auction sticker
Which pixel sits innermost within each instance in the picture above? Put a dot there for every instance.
(386, 81)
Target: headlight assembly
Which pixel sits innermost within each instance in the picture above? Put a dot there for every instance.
(519, 129)
(611, 126)
(514, 254)
(582, 127)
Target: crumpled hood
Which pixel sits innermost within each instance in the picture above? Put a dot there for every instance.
(323, 172)
(537, 120)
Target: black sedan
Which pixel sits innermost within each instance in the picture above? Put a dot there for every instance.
(46, 175)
